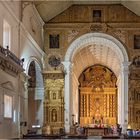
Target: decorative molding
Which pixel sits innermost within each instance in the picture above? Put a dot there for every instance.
(24, 4)
(38, 16)
(67, 26)
(101, 27)
(72, 34)
(26, 34)
(8, 85)
(121, 35)
(53, 75)
(10, 63)
(89, 38)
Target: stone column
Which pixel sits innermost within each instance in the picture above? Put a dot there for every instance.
(39, 96)
(124, 95)
(67, 88)
(107, 105)
(119, 99)
(23, 98)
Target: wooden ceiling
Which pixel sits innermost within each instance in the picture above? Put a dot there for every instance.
(48, 9)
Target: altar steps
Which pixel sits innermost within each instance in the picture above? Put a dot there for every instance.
(94, 137)
(103, 137)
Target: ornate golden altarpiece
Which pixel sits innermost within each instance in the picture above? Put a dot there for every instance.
(98, 96)
(53, 102)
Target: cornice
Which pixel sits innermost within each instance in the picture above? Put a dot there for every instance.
(133, 25)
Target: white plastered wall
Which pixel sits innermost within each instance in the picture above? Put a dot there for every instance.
(24, 45)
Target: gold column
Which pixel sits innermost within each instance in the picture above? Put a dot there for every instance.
(44, 112)
(107, 105)
(84, 106)
(114, 106)
(87, 105)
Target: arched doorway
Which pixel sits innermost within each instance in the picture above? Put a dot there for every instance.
(97, 96)
(35, 95)
(88, 50)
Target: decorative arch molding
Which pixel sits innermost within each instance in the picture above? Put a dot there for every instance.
(98, 38)
(39, 78)
(96, 64)
(38, 90)
(28, 62)
(116, 46)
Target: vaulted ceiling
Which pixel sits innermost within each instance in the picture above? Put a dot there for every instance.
(96, 54)
(49, 9)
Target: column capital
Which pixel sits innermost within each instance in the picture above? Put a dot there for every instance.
(125, 67)
(67, 66)
(126, 63)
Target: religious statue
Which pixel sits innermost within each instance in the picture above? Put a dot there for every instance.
(54, 95)
(98, 119)
(54, 115)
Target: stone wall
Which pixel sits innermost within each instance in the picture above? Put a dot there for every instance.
(116, 21)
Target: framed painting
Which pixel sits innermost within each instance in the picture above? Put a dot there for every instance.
(54, 40)
(136, 41)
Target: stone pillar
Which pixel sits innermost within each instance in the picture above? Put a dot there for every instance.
(119, 99)
(39, 99)
(67, 88)
(23, 99)
(124, 95)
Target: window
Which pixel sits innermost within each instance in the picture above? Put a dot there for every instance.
(97, 15)
(7, 106)
(6, 34)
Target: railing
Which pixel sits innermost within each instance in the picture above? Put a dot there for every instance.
(8, 54)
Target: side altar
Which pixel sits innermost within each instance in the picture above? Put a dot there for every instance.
(53, 102)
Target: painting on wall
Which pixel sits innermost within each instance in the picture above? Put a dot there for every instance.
(136, 41)
(54, 40)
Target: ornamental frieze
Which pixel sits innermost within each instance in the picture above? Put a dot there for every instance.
(9, 62)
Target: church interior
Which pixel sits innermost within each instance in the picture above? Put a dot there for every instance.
(69, 69)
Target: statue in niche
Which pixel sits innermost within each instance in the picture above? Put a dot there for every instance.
(54, 115)
(54, 95)
(98, 119)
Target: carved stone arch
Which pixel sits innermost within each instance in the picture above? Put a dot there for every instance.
(28, 62)
(35, 91)
(86, 39)
(114, 45)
